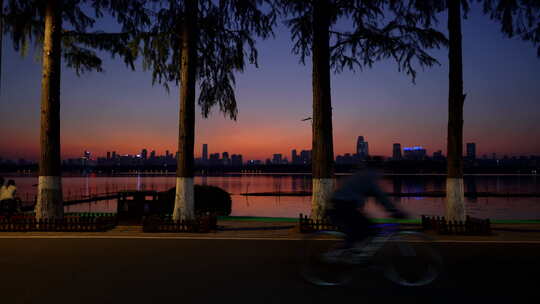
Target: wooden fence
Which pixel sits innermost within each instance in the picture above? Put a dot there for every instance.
(308, 225)
(202, 224)
(471, 226)
(28, 223)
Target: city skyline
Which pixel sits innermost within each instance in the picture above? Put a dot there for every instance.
(397, 152)
(121, 108)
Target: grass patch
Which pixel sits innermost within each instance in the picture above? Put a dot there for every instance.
(295, 219)
(258, 219)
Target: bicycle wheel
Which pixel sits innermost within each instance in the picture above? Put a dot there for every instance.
(409, 259)
(315, 269)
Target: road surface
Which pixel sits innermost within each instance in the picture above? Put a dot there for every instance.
(241, 271)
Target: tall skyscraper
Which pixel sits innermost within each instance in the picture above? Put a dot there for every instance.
(108, 155)
(396, 152)
(294, 156)
(362, 148)
(113, 155)
(205, 153)
(471, 151)
(167, 154)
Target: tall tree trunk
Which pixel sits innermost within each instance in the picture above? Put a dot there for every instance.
(1, 39)
(323, 152)
(455, 202)
(184, 206)
(49, 200)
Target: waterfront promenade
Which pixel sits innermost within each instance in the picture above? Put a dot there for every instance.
(245, 262)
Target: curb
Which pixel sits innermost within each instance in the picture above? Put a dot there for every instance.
(138, 237)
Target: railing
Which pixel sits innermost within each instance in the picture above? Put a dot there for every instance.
(309, 225)
(202, 224)
(70, 223)
(471, 226)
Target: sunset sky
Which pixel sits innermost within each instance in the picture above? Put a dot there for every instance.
(120, 110)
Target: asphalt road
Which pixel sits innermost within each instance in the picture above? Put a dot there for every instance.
(241, 271)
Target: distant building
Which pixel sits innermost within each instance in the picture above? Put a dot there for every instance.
(144, 154)
(167, 154)
(277, 159)
(362, 148)
(471, 151)
(236, 160)
(108, 155)
(346, 159)
(113, 155)
(414, 153)
(214, 159)
(305, 157)
(226, 160)
(153, 154)
(294, 157)
(205, 153)
(396, 151)
(438, 155)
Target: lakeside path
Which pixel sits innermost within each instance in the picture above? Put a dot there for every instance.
(165, 269)
(285, 230)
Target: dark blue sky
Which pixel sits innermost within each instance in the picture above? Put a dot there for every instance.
(120, 110)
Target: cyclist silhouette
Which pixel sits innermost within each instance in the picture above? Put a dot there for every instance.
(347, 202)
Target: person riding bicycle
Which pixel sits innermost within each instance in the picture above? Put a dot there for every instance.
(345, 209)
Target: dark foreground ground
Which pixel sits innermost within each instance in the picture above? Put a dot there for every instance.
(242, 271)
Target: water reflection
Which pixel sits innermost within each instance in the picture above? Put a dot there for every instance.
(291, 206)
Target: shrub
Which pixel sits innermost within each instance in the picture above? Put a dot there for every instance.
(207, 199)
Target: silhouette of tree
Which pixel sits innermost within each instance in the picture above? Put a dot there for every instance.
(381, 29)
(517, 18)
(455, 199)
(1, 38)
(41, 22)
(202, 41)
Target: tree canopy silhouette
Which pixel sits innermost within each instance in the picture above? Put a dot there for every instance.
(226, 32)
(25, 24)
(380, 29)
(517, 18)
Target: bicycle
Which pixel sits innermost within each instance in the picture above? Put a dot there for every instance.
(406, 258)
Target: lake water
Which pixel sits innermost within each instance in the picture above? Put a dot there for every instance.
(523, 208)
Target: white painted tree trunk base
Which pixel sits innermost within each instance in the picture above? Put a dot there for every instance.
(455, 200)
(184, 203)
(322, 193)
(49, 198)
